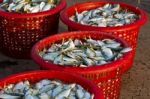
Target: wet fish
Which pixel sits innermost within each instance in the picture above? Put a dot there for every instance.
(28, 6)
(109, 15)
(45, 89)
(84, 53)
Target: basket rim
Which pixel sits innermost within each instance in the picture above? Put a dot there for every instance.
(65, 19)
(58, 8)
(92, 87)
(97, 69)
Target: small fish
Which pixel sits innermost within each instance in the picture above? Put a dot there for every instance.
(48, 89)
(64, 93)
(50, 56)
(90, 53)
(116, 8)
(108, 54)
(80, 94)
(42, 5)
(47, 7)
(78, 16)
(7, 96)
(107, 6)
(85, 52)
(28, 6)
(113, 45)
(35, 9)
(125, 50)
(109, 15)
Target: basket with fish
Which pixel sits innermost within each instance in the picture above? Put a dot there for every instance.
(24, 22)
(117, 18)
(48, 85)
(99, 57)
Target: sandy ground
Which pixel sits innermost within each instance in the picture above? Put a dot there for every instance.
(136, 82)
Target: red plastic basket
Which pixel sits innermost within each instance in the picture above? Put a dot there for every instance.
(20, 31)
(36, 76)
(108, 77)
(128, 32)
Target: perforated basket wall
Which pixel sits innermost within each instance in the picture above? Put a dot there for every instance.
(36, 76)
(108, 77)
(108, 81)
(19, 32)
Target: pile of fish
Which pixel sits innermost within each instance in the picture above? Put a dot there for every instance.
(44, 89)
(28, 6)
(84, 53)
(109, 15)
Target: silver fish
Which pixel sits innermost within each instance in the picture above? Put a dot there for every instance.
(28, 6)
(109, 15)
(84, 53)
(48, 89)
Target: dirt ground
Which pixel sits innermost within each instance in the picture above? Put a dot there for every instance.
(136, 82)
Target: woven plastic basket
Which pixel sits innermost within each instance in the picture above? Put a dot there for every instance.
(128, 32)
(36, 76)
(19, 32)
(108, 76)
